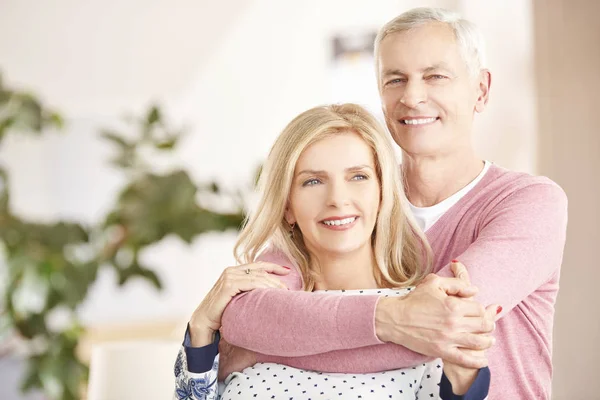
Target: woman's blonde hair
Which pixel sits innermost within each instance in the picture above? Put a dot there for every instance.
(401, 252)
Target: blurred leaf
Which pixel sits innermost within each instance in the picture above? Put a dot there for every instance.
(167, 144)
(153, 116)
(56, 120)
(115, 138)
(150, 276)
(30, 116)
(32, 326)
(63, 258)
(32, 376)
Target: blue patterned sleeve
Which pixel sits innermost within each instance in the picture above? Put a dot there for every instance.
(196, 371)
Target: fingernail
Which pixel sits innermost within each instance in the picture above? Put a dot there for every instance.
(499, 310)
(455, 261)
(285, 267)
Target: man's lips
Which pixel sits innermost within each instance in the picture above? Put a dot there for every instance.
(418, 121)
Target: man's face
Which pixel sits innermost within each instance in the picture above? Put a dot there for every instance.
(427, 94)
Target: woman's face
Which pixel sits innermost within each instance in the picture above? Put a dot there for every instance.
(335, 195)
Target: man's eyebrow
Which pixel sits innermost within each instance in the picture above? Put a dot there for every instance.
(390, 72)
(435, 67)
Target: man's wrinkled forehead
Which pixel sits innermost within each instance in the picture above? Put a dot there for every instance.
(421, 49)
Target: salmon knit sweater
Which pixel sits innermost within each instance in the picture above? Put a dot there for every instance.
(509, 231)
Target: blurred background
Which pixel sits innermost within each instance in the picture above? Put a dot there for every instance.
(156, 115)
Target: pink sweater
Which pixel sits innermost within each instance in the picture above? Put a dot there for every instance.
(509, 231)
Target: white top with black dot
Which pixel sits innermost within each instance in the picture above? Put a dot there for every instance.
(279, 382)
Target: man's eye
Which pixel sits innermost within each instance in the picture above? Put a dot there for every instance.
(396, 81)
(311, 182)
(436, 77)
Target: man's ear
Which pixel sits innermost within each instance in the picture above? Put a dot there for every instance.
(485, 81)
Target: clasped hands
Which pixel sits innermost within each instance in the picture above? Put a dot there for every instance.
(440, 318)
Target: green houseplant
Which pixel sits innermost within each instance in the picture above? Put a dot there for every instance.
(55, 263)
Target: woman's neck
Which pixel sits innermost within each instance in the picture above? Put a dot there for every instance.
(346, 271)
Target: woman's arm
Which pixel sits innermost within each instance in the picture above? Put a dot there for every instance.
(197, 364)
(196, 371)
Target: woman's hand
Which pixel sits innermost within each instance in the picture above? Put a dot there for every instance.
(206, 319)
(460, 377)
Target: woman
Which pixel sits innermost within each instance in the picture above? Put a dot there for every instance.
(331, 201)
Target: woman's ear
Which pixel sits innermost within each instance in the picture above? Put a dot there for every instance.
(289, 216)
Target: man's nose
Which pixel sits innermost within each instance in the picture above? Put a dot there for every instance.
(415, 93)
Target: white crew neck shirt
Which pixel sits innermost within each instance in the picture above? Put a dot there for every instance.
(427, 216)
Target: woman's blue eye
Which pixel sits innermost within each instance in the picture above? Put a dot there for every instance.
(360, 177)
(311, 182)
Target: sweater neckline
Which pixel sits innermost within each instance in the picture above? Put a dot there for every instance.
(493, 173)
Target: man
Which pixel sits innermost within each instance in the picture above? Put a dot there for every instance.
(507, 228)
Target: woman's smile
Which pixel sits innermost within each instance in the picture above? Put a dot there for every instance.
(340, 223)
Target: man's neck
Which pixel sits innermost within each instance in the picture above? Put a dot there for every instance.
(429, 181)
(347, 271)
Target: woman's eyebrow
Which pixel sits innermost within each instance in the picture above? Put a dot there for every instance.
(321, 172)
(359, 167)
(311, 172)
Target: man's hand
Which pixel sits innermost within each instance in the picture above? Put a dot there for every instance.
(233, 359)
(438, 319)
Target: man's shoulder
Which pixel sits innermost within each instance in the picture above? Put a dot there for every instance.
(519, 192)
(504, 183)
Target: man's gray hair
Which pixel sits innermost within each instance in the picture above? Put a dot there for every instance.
(467, 34)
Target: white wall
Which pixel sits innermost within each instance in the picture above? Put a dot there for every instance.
(507, 131)
(235, 74)
(568, 59)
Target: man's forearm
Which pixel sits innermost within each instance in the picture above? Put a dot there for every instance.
(363, 360)
(299, 323)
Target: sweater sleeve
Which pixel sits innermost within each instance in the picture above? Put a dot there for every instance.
(519, 246)
(297, 323)
(316, 331)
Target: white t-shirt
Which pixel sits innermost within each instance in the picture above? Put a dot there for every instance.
(427, 216)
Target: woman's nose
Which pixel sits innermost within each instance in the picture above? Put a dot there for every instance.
(338, 194)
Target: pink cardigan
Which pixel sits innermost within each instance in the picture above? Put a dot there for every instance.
(509, 231)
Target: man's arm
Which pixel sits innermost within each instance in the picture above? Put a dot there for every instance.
(518, 248)
(323, 331)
